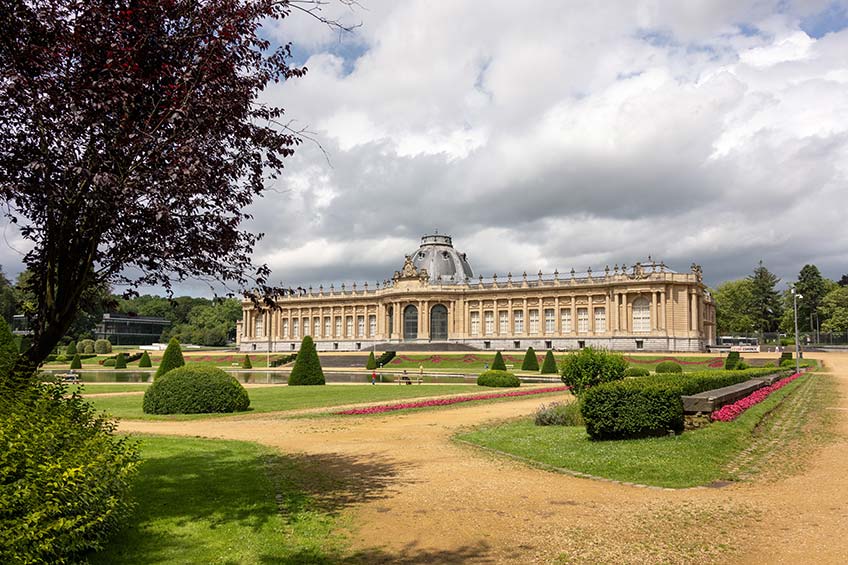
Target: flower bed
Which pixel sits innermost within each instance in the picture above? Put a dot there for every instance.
(448, 401)
(730, 412)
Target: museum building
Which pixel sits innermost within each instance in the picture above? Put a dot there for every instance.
(435, 298)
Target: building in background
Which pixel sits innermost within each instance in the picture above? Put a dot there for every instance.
(435, 298)
(125, 329)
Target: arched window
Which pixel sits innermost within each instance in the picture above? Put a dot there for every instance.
(410, 322)
(641, 315)
(439, 323)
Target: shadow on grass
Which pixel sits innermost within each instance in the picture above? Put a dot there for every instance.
(410, 555)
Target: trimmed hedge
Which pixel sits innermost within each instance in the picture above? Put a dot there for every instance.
(498, 364)
(102, 346)
(195, 389)
(110, 362)
(549, 366)
(636, 372)
(371, 364)
(307, 367)
(85, 346)
(495, 378)
(650, 406)
(120, 361)
(668, 367)
(385, 358)
(144, 361)
(530, 363)
(246, 364)
(171, 359)
(75, 362)
(283, 360)
(589, 367)
(731, 361)
(61, 358)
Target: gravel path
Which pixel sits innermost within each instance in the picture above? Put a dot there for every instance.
(416, 496)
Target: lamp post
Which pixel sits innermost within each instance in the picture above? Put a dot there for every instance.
(795, 297)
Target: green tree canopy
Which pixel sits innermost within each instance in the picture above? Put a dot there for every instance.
(813, 287)
(733, 301)
(766, 306)
(834, 306)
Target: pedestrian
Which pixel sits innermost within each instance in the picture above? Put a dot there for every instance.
(373, 377)
(486, 366)
(420, 371)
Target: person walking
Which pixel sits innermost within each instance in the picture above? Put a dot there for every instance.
(373, 377)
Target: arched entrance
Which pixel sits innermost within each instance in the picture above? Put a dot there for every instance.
(439, 323)
(410, 322)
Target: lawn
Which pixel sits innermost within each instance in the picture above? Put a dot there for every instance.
(282, 398)
(89, 389)
(693, 458)
(214, 501)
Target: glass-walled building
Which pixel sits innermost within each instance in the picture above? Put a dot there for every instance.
(123, 329)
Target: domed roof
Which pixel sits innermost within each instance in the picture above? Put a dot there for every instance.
(442, 261)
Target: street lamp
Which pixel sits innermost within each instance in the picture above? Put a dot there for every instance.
(795, 297)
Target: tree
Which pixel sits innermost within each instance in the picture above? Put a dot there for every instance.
(245, 363)
(71, 348)
(371, 364)
(766, 306)
(498, 364)
(171, 359)
(76, 362)
(843, 281)
(144, 362)
(8, 306)
(530, 363)
(812, 286)
(307, 367)
(733, 300)
(121, 361)
(149, 111)
(834, 307)
(549, 365)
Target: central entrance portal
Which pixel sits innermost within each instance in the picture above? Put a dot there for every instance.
(410, 322)
(439, 323)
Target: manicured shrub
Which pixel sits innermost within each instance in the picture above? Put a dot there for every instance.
(76, 362)
(371, 364)
(495, 378)
(120, 361)
(65, 477)
(109, 362)
(385, 358)
(559, 414)
(549, 366)
(787, 363)
(636, 372)
(246, 364)
(589, 367)
(102, 346)
(498, 364)
(85, 346)
(731, 361)
(784, 355)
(530, 363)
(769, 364)
(668, 367)
(307, 368)
(195, 389)
(144, 362)
(171, 359)
(71, 349)
(284, 360)
(741, 366)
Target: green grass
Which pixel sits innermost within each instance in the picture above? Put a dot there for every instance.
(89, 389)
(213, 501)
(282, 398)
(693, 458)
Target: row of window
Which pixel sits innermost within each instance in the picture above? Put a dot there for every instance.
(313, 326)
(641, 320)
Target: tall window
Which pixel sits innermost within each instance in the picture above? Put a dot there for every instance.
(550, 321)
(317, 324)
(338, 326)
(600, 320)
(306, 327)
(372, 325)
(295, 328)
(518, 321)
(327, 327)
(534, 321)
(489, 316)
(475, 323)
(503, 322)
(582, 320)
(360, 326)
(641, 315)
(565, 320)
(349, 326)
(285, 328)
(259, 325)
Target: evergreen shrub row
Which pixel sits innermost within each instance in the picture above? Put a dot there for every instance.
(385, 358)
(650, 406)
(195, 389)
(496, 378)
(283, 360)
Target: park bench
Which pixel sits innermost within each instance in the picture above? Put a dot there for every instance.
(711, 400)
(71, 378)
(409, 380)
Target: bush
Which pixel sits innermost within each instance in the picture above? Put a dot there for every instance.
(559, 414)
(171, 359)
(76, 363)
(8, 350)
(498, 363)
(71, 349)
(769, 364)
(668, 367)
(385, 358)
(741, 366)
(144, 362)
(731, 361)
(195, 389)
(788, 363)
(307, 368)
(636, 372)
(650, 406)
(85, 346)
(246, 364)
(120, 361)
(495, 378)
(549, 366)
(589, 367)
(102, 346)
(371, 364)
(65, 478)
(530, 363)
(283, 360)
(109, 362)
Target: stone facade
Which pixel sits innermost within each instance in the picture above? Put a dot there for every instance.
(644, 307)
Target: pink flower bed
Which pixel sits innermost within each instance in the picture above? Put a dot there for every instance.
(730, 412)
(448, 401)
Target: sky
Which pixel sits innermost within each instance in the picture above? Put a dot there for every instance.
(556, 135)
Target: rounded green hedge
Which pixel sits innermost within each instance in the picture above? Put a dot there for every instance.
(668, 367)
(498, 379)
(636, 372)
(195, 390)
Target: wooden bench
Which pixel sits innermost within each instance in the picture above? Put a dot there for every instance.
(409, 380)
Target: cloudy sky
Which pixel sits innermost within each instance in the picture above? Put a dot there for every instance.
(547, 134)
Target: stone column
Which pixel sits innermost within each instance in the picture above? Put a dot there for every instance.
(557, 317)
(591, 307)
(510, 319)
(607, 314)
(573, 315)
(526, 317)
(654, 312)
(663, 314)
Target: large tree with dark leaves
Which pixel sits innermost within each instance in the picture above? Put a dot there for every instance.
(766, 307)
(131, 140)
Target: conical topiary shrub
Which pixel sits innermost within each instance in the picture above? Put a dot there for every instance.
(246, 364)
(530, 362)
(172, 358)
(76, 363)
(144, 362)
(307, 366)
(498, 364)
(71, 349)
(549, 365)
(372, 362)
(120, 361)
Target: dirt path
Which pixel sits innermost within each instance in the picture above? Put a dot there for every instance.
(418, 497)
